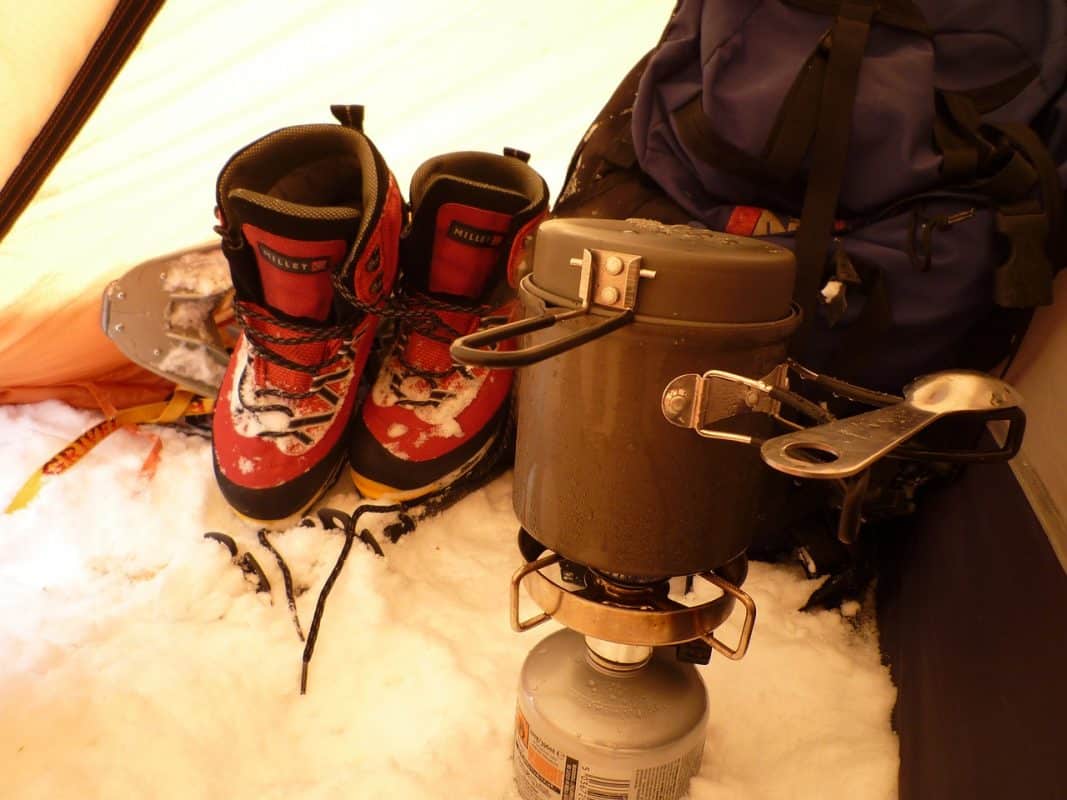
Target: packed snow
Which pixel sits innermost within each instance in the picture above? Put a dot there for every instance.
(198, 274)
(189, 361)
(190, 318)
(140, 662)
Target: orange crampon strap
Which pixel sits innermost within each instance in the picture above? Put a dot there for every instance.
(181, 404)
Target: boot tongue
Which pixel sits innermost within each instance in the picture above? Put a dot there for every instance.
(459, 235)
(296, 249)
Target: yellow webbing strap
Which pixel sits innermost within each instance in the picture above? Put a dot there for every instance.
(182, 403)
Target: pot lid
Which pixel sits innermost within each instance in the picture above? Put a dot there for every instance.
(686, 273)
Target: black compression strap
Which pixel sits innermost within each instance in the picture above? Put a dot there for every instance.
(700, 138)
(1033, 227)
(794, 126)
(991, 97)
(1012, 181)
(956, 138)
(829, 150)
(896, 13)
(1023, 137)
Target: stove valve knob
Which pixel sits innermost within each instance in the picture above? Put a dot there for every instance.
(695, 651)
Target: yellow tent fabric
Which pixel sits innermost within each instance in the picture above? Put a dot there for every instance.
(51, 350)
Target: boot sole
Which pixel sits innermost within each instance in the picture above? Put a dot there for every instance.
(294, 518)
(373, 490)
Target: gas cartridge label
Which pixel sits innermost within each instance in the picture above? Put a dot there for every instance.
(543, 772)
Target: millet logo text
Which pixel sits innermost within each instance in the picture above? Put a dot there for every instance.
(291, 264)
(475, 237)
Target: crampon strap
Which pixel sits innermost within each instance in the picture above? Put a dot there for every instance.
(181, 404)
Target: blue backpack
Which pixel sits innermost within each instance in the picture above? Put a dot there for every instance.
(910, 153)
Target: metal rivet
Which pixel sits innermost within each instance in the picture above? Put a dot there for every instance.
(678, 402)
(157, 352)
(120, 295)
(613, 266)
(609, 295)
(119, 327)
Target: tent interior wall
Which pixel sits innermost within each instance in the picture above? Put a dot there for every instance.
(208, 77)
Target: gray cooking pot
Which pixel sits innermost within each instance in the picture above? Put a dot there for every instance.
(614, 310)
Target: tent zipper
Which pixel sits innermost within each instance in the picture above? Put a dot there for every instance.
(109, 53)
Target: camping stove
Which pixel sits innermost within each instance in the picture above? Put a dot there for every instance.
(624, 500)
(612, 706)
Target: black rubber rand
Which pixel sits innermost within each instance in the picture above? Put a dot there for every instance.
(287, 499)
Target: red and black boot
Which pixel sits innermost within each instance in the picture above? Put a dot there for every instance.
(310, 219)
(428, 422)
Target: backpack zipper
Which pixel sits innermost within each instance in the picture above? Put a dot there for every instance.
(921, 234)
(109, 53)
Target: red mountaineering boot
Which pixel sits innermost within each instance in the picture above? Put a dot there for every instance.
(310, 219)
(428, 422)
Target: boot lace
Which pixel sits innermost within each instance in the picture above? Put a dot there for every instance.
(297, 334)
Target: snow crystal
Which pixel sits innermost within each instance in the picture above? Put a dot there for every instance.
(461, 394)
(246, 466)
(396, 430)
(255, 413)
(195, 363)
(201, 273)
(831, 291)
(138, 662)
(190, 317)
(396, 450)
(850, 608)
(441, 414)
(448, 429)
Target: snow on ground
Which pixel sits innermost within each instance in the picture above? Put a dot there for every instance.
(137, 661)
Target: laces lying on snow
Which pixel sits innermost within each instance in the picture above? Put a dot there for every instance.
(331, 520)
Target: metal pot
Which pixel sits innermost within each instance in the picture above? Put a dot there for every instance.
(614, 310)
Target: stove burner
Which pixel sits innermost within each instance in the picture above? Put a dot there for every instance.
(629, 611)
